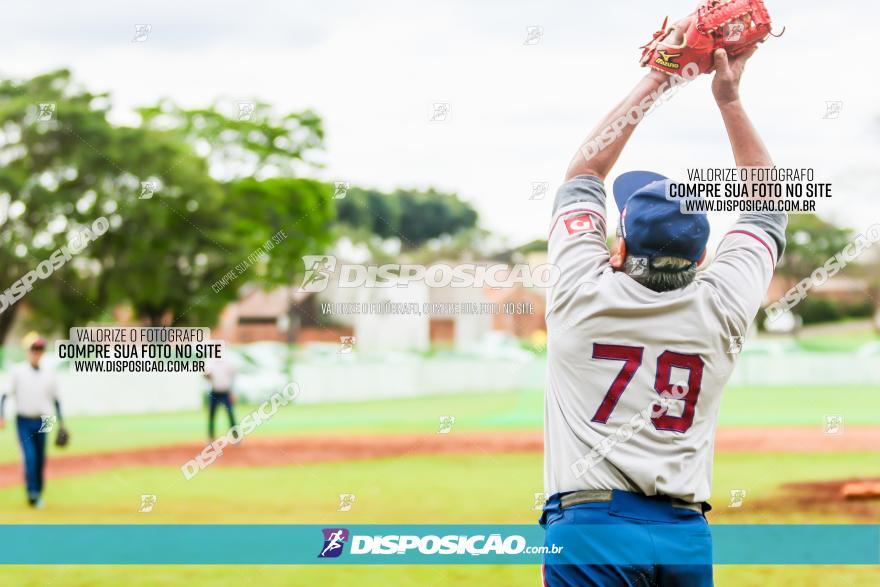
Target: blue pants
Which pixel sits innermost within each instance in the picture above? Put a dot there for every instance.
(33, 447)
(646, 541)
(216, 398)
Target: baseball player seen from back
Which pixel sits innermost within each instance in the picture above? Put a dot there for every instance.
(639, 351)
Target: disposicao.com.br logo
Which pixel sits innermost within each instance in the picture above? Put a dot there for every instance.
(334, 542)
(450, 544)
(321, 270)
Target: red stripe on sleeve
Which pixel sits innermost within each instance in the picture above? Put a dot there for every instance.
(757, 238)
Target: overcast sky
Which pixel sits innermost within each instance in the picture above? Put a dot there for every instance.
(517, 111)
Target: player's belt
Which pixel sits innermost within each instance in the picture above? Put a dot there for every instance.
(599, 495)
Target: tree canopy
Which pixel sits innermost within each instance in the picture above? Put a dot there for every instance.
(176, 225)
(811, 241)
(412, 216)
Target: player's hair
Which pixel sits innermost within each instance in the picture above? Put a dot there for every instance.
(664, 273)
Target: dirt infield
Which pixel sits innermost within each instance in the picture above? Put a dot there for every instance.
(257, 452)
(820, 498)
(797, 439)
(267, 452)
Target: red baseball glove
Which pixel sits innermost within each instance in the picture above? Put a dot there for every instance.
(734, 25)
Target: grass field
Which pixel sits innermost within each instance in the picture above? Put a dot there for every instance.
(845, 336)
(414, 489)
(757, 406)
(423, 489)
(344, 576)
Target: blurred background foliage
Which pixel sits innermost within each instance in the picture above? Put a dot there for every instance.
(191, 193)
(188, 194)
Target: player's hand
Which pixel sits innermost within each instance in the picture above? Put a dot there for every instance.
(728, 72)
(675, 36)
(2, 423)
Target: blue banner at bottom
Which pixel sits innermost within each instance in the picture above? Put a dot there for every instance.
(433, 544)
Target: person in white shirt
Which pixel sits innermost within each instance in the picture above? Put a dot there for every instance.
(639, 328)
(35, 391)
(221, 374)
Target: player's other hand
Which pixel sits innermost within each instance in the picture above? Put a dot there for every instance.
(728, 72)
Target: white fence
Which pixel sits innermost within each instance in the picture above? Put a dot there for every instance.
(124, 393)
(806, 369)
(347, 378)
(357, 381)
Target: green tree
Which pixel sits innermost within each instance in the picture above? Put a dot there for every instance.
(412, 216)
(302, 208)
(372, 210)
(53, 139)
(244, 139)
(426, 215)
(194, 231)
(168, 247)
(811, 241)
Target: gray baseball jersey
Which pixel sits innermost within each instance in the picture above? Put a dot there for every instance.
(634, 376)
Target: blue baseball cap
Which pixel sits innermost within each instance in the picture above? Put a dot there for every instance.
(653, 226)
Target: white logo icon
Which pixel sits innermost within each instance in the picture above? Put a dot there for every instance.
(737, 497)
(46, 112)
(439, 112)
(534, 34)
(47, 423)
(319, 268)
(341, 190)
(446, 424)
(734, 31)
(833, 108)
(346, 345)
(148, 188)
(833, 424)
(736, 345)
(539, 190)
(540, 500)
(346, 500)
(142, 33)
(148, 502)
(246, 110)
(637, 266)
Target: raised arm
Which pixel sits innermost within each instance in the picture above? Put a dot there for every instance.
(748, 148)
(603, 146)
